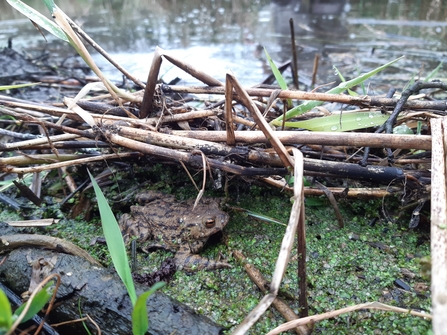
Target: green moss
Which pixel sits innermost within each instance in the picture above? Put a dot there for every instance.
(347, 266)
(341, 271)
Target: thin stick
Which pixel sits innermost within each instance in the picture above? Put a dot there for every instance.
(11, 169)
(191, 70)
(10, 242)
(257, 277)
(295, 58)
(190, 158)
(315, 69)
(30, 300)
(37, 141)
(262, 123)
(302, 273)
(189, 175)
(420, 142)
(149, 92)
(229, 112)
(202, 190)
(438, 227)
(284, 254)
(332, 314)
(86, 37)
(334, 204)
(365, 101)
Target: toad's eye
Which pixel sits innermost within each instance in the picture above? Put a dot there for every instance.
(210, 222)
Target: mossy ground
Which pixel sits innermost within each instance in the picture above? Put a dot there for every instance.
(341, 271)
(348, 266)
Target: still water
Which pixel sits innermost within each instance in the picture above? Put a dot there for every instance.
(218, 36)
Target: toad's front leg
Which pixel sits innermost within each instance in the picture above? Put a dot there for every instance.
(185, 260)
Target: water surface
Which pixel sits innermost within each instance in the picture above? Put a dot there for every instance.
(219, 36)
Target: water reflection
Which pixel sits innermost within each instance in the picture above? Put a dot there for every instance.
(223, 35)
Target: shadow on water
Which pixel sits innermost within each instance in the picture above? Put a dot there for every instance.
(220, 36)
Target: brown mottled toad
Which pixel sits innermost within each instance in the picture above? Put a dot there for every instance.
(173, 225)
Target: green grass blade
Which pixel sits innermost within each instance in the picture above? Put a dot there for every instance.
(37, 304)
(362, 85)
(345, 122)
(337, 72)
(5, 313)
(50, 5)
(278, 76)
(140, 323)
(419, 128)
(80, 316)
(308, 105)
(410, 82)
(434, 72)
(39, 19)
(114, 241)
(351, 93)
(10, 87)
(264, 217)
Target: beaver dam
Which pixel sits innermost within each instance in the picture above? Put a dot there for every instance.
(329, 196)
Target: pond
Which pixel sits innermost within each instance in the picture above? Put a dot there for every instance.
(219, 36)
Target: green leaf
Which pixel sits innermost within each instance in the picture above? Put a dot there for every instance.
(115, 242)
(140, 323)
(278, 76)
(38, 18)
(402, 129)
(308, 105)
(5, 313)
(343, 122)
(39, 301)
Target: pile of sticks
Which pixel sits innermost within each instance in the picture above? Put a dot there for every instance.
(234, 136)
(242, 152)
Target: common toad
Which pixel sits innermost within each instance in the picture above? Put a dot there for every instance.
(173, 225)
